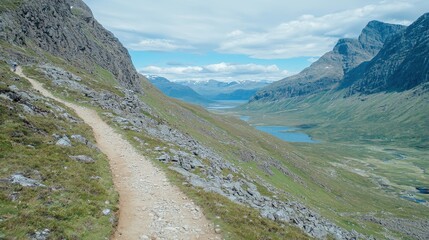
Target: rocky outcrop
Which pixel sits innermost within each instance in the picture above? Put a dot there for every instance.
(402, 64)
(67, 29)
(329, 70)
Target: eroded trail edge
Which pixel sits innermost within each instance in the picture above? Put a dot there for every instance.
(149, 206)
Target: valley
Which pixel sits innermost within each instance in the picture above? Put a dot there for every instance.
(90, 148)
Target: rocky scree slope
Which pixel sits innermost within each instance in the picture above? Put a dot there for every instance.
(187, 156)
(67, 29)
(199, 164)
(402, 64)
(330, 69)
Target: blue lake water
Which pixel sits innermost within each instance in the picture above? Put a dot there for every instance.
(225, 104)
(287, 134)
(412, 199)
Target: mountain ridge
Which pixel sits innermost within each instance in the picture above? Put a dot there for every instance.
(68, 29)
(329, 70)
(253, 185)
(402, 63)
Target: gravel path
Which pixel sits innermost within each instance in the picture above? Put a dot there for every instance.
(149, 206)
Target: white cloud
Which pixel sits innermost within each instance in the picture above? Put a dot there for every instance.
(219, 71)
(307, 35)
(164, 45)
(259, 28)
(312, 59)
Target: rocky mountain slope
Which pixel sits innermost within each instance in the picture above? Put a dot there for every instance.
(402, 64)
(329, 70)
(251, 185)
(67, 29)
(94, 78)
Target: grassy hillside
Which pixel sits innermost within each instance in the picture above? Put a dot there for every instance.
(321, 175)
(73, 194)
(328, 178)
(237, 221)
(385, 118)
(378, 142)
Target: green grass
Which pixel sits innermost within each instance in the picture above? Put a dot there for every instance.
(235, 220)
(324, 175)
(343, 198)
(10, 5)
(71, 205)
(347, 193)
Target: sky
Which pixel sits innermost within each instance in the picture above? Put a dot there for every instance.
(230, 40)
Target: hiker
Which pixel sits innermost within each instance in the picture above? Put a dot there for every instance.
(14, 65)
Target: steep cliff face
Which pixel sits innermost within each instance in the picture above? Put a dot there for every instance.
(331, 67)
(67, 29)
(401, 64)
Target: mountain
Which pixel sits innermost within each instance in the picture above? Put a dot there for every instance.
(56, 184)
(329, 70)
(240, 94)
(402, 63)
(68, 29)
(176, 90)
(213, 89)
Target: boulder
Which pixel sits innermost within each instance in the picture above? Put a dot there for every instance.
(18, 178)
(83, 158)
(64, 141)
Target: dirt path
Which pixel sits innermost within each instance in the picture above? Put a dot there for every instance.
(150, 207)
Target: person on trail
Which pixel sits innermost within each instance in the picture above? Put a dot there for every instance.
(14, 65)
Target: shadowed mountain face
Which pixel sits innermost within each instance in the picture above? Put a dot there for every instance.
(326, 72)
(68, 29)
(402, 64)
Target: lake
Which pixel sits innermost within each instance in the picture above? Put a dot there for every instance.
(285, 133)
(225, 104)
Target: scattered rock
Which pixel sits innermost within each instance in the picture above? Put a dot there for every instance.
(83, 140)
(64, 141)
(83, 158)
(24, 181)
(41, 235)
(164, 158)
(106, 212)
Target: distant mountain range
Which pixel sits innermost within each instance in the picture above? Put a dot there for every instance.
(236, 90)
(176, 90)
(205, 92)
(329, 71)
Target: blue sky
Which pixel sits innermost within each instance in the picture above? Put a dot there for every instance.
(240, 40)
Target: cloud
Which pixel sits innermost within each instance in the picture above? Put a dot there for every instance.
(163, 45)
(312, 59)
(308, 35)
(261, 29)
(219, 71)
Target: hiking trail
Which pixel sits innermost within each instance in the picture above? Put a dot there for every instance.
(149, 206)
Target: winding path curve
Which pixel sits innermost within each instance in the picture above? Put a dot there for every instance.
(149, 206)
